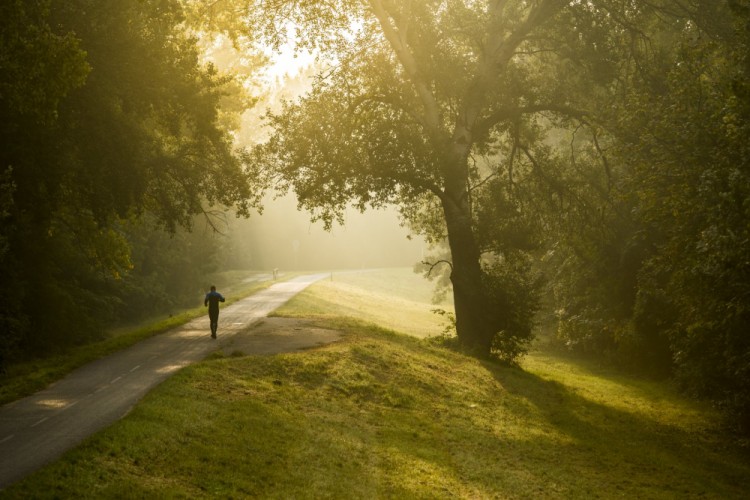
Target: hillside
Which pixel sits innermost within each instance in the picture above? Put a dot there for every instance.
(385, 415)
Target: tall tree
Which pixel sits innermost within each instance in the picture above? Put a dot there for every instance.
(142, 134)
(416, 93)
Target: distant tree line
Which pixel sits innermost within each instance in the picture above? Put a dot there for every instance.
(112, 145)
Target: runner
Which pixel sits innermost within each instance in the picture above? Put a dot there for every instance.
(212, 301)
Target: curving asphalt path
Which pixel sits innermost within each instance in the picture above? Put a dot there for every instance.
(36, 430)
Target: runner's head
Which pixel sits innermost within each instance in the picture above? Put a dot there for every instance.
(213, 288)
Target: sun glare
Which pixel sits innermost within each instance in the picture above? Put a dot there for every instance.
(288, 61)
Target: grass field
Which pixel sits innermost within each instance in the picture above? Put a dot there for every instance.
(387, 415)
(395, 299)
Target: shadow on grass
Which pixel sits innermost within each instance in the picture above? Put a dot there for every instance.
(629, 450)
(515, 434)
(523, 435)
(537, 436)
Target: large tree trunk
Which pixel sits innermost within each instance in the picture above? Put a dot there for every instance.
(472, 304)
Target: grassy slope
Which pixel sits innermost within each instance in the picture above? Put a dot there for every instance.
(396, 299)
(387, 415)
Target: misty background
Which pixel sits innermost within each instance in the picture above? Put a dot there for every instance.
(283, 237)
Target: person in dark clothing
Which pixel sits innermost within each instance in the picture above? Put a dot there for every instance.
(212, 301)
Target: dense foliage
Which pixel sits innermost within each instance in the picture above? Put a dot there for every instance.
(662, 283)
(107, 114)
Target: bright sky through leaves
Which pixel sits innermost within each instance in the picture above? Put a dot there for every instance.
(285, 62)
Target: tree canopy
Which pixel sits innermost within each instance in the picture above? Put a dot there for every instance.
(669, 260)
(431, 104)
(600, 142)
(108, 113)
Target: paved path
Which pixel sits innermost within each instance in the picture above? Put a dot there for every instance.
(38, 429)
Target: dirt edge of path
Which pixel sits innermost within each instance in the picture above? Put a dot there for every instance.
(274, 335)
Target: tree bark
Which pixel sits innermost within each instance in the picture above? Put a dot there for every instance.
(470, 299)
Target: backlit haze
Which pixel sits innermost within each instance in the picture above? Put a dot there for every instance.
(283, 236)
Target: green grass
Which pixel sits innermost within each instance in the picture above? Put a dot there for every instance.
(396, 299)
(386, 415)
(25, 378)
